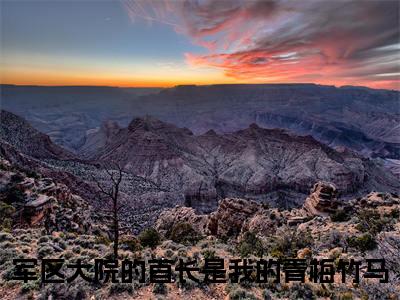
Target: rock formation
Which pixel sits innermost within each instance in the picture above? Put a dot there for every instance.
(322, 200)
(180, 214)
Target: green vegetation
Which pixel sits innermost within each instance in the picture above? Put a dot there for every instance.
(250, 244)
(130, 243)
(16, 178)
(371, 221)
(6, 211)
(102, 240)
(149, 238)
(240, 294)
(208, 254)
(184, 233)
(340, 216)
(363, 243)
(31, 173)
(13, 195)
(395, 213)
(160, 288)
(288, 242)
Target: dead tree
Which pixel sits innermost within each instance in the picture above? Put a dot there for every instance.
(112, 193)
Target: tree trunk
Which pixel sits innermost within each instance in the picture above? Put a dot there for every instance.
(116, 229)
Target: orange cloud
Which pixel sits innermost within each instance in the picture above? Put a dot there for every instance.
(335, 42)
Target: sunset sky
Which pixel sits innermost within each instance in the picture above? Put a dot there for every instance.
(166, 43)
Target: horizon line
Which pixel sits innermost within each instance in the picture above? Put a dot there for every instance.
(197, 85)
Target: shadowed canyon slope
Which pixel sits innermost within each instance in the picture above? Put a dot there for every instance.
(362, 119)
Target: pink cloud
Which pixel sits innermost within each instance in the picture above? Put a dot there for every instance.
(336, 42)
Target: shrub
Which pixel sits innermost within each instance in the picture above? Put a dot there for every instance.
(6, 210)
(250, 244)
(130, 243)
(5, 237)
(6, 224)
(168, 253)
(44, 239)
(363, 243)
(119, 288)
(102, 240)
(31, 173)
(68, 254)
(395, 213)
(149, 238)
(76, 249)
(208, 254)
(345, 296)
(45, 252)
(7, 255)
(160, 288)
(241, 294)
(288, 242)
(86, 241)
(30, 286)
(301, 291)
(14, 195)
(371, 221)
(16, 178)
(340, 216)
(184, 233)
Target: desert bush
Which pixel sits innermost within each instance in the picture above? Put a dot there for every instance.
(149, 238)
(67, 254)
(288, 242)
(241, 294)
(44, 239)
(364, 242)
(182, 252)
(76, 249)
(345, 296)
(371, 221)
(119, 288)
(6, 224)
(7, 254)
(336, 239)
(130, 243)
(170, 245)
(340, 215)
(25, 238)
(4, 166)
(30, 286)
(208, 254)
(169, 253)
(301, 291)
(394, 213)
(183, 233)
(89, 253)
(160, 288)
(31, 173)
(204, 244)
(63, 291)
(85, 241)
(6, 211)
(102, 240)
(5, 236)
(266, 295)
(250, 244)
(187, 285)
(16, 178)
(14, 195)
(62, 244)
(45, 251)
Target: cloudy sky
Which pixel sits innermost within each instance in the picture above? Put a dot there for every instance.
(165, 43)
